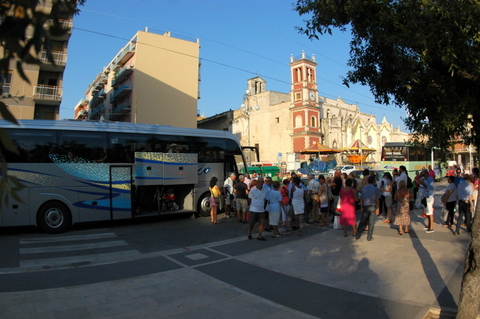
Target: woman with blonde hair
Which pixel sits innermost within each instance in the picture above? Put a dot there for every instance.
(215, 192)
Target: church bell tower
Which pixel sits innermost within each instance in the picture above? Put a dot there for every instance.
(304, 109)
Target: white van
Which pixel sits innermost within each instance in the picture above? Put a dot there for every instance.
(343, 169)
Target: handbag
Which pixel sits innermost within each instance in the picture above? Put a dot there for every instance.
(444, 198)
(329, 193)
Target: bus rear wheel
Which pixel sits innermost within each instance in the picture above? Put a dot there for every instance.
(54, 217)
(203, 206)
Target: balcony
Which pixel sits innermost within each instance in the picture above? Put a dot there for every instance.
(59, 61)
(122, 75)
(120, 110)
(126, 54)
(47, 94)
(59, 57)
(82, 114)
(99, 97)
(95, 111)
(60, 32)
(122, 91)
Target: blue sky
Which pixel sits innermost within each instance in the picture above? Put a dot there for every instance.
(238, 39)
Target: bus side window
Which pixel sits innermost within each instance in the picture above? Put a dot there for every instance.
(33, 146)
(84, 147)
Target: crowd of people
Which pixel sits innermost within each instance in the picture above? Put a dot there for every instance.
(281, 205)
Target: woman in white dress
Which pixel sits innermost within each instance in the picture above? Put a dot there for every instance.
(298, 203)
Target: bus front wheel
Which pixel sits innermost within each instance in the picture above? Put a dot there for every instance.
(203, 206)
(54, 217)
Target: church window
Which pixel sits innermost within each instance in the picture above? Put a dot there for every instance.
(298, 96)
(298, 121)
(313, 121)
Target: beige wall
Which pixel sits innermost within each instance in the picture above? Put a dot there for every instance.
(166, 81)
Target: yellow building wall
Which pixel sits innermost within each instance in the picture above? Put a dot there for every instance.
(165, 89)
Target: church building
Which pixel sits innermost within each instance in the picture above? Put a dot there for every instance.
(280, 124)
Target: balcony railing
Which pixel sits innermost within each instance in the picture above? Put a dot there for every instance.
(64, 23)
(121, 91)
(59, 57)
(122, 74)
(126, 54)
(100, 96)
(122, 108)
(47, 92)
(95, 111)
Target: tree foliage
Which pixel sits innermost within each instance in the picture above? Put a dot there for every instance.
(26, 28)
(424, 56)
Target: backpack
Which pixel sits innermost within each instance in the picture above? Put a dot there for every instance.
(409, 182)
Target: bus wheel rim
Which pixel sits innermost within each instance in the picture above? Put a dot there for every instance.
(54, 218)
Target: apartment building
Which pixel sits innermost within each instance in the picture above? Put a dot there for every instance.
(40, 99)
(153, 79)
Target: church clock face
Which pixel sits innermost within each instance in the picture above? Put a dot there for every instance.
(311, 95)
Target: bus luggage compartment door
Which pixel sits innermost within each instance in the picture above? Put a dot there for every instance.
(120, 191)
(153, 168)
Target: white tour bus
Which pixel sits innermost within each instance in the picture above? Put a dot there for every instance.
(81, 171)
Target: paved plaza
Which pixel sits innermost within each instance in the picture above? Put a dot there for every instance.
(320, 274)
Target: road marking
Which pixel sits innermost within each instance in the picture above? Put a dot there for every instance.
(79, 261)
(60, 239)
(55, 249)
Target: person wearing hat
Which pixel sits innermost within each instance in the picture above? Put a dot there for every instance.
(173, 148)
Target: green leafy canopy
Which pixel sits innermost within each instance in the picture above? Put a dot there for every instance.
(423, 56)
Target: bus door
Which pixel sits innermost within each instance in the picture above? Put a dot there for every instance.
(120, 191)
(251, 154)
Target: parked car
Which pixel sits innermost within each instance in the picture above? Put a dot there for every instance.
(343, 169)
(358, 174)
(450, 171)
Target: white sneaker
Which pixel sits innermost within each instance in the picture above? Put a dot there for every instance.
(430, 231)
(425, 228)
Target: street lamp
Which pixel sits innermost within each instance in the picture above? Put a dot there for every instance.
(360, 150)
(247, 109)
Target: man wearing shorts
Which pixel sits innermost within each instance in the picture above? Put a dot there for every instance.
(257, 197)
(241, 190)
(429, 184)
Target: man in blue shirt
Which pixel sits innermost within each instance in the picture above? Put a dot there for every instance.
(257, 195)
(458, 177)
(465, 205)
(370, 205)
(429, 184)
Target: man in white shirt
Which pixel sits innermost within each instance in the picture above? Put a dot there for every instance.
(228, 187)
(402, 176)
(257, 195)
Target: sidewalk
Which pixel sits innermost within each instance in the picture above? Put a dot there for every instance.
(320, 274)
